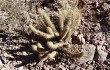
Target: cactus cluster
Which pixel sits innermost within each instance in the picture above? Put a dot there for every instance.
(69, 18)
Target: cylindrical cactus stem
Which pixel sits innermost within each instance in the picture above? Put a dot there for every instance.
(47, 21)
(42, 34)
(65, 33)
(50, 31)
(68, 25)
(40, 46)
(52, 54)
(61, 19)
(68, 36)
(48, 56)
(51, 45)
(76, 19)
(37, 47)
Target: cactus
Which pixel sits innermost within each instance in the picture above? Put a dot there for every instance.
(69, 19)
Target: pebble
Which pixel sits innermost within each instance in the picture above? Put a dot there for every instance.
(20, 68)
(1, 64)
(24, 53)
(102, 55)
(72, 66)
(83, 69)
(77, 68)
(7, 55)
(90, 67)
(106, 6)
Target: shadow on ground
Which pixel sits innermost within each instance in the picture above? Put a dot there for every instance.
(25, 59)
(21, 47)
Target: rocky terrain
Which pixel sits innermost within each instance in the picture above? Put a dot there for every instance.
(16, 38)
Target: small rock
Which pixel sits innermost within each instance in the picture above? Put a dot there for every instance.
(7, 55)
(82, 69)
(77, 68)
(62, 67)
(106, 6)
(89, 51)
(80, 36)
(102, 55)
(3, 15)
(1, 64)
(24, 53)
(20, 68)
(89, 62)
(72, 66)
(90, 67)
